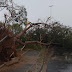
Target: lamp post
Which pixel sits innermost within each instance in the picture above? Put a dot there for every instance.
(51, 10)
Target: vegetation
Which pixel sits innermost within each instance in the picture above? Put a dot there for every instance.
(37, 34)
(56, 33)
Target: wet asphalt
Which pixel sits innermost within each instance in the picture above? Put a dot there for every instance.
(59, 66)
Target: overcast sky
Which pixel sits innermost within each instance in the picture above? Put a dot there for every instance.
(61, 10)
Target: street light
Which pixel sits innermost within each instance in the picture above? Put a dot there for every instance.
(51, 10)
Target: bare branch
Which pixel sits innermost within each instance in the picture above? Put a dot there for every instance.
(29, 42)
(31, 25)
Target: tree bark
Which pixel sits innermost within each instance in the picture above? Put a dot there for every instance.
(31, 25)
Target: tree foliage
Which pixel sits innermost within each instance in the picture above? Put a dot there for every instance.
(55, 33)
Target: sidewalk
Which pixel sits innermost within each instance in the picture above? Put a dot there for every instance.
(30, 61)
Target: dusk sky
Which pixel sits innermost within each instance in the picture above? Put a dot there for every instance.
(61, 10)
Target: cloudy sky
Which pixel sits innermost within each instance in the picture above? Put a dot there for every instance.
(61, 10)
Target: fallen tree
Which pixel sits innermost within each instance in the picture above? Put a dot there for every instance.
(8, 41)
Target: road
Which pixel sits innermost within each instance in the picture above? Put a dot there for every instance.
(59, 66)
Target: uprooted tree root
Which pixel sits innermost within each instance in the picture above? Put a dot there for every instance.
(7, 45)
